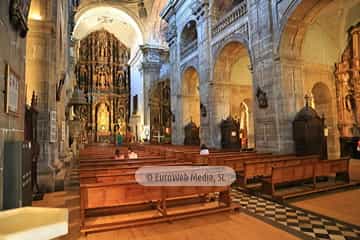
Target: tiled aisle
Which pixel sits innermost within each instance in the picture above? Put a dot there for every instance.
(304, 224)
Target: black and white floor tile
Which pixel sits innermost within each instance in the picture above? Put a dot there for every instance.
(304, 224)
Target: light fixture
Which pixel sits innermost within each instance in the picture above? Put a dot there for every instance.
(36, 16)
(142, 9)
(78, 101)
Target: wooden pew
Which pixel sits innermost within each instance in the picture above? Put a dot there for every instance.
(121, 194)
(306, 171)
(287, 174)
(107, 184)
(118, 174)
(112, 161)
(127, 163)
(263, 168)
(124, 169)
(339, 167)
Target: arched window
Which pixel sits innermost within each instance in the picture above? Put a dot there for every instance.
(188, 39)
(222, 7)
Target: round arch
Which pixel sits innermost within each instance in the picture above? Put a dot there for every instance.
(308, 45)
(325, 106)
(303, 13)
(236, 38)
(190, 86)
(134, 18)
(232, 84)
(297, 11)
(114, 19)
(189, 33)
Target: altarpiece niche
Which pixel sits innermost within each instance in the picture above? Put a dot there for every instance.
(160, 112)
(103, 74)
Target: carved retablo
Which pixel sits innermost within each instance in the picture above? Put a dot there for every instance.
(348, 86)
(103, 74)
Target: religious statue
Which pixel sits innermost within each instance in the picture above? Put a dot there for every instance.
(102, 79)
(119, 76)
(103, 118)
(82, 75)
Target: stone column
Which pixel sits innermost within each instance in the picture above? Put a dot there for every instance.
(40, 77)
(202, 12)
(273, 128)
(153, 58)
(175, 81)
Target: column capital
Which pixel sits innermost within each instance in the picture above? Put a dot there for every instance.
(154, 54)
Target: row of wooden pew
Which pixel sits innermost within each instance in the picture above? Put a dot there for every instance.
(109, 185)
(106, 183)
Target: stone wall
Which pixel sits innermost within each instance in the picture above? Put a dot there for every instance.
(13, 53)
(47, 64)
(273, 34)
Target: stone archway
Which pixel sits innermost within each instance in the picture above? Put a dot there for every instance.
(190, 97)
(232, 85)
(189, 38)
(309, 45)
(322, 103)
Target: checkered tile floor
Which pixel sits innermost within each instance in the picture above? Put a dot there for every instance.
(299, 222)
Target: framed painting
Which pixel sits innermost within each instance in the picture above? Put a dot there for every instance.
(11, 91)
(19, 12)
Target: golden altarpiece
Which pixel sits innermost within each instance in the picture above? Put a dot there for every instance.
(103, 74)
(348, 90)
(160, 112)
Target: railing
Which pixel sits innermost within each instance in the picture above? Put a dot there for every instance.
(189, 48)
(232, 16)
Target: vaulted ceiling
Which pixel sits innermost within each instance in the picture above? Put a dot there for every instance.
(122, 19)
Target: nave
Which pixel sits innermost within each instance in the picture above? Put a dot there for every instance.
(154, 119)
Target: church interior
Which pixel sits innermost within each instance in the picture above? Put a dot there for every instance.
(179, 119)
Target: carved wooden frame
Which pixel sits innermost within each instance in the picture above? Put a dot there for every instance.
(9, 72)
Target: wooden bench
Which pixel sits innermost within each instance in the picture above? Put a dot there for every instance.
(263, 168)
(339, 167)
(287, 174)
(306, 171)
(118, 174)
(128, 193)
(128, 163)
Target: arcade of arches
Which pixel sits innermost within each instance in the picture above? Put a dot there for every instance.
(244, 77)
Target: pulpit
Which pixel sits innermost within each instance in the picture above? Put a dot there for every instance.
(230, 138)
(191, 134)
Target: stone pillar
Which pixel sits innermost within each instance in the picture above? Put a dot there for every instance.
(46, 63)
(273, 128)
(153, 58)
(202, 13)
(40, 77)
(175, 81)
